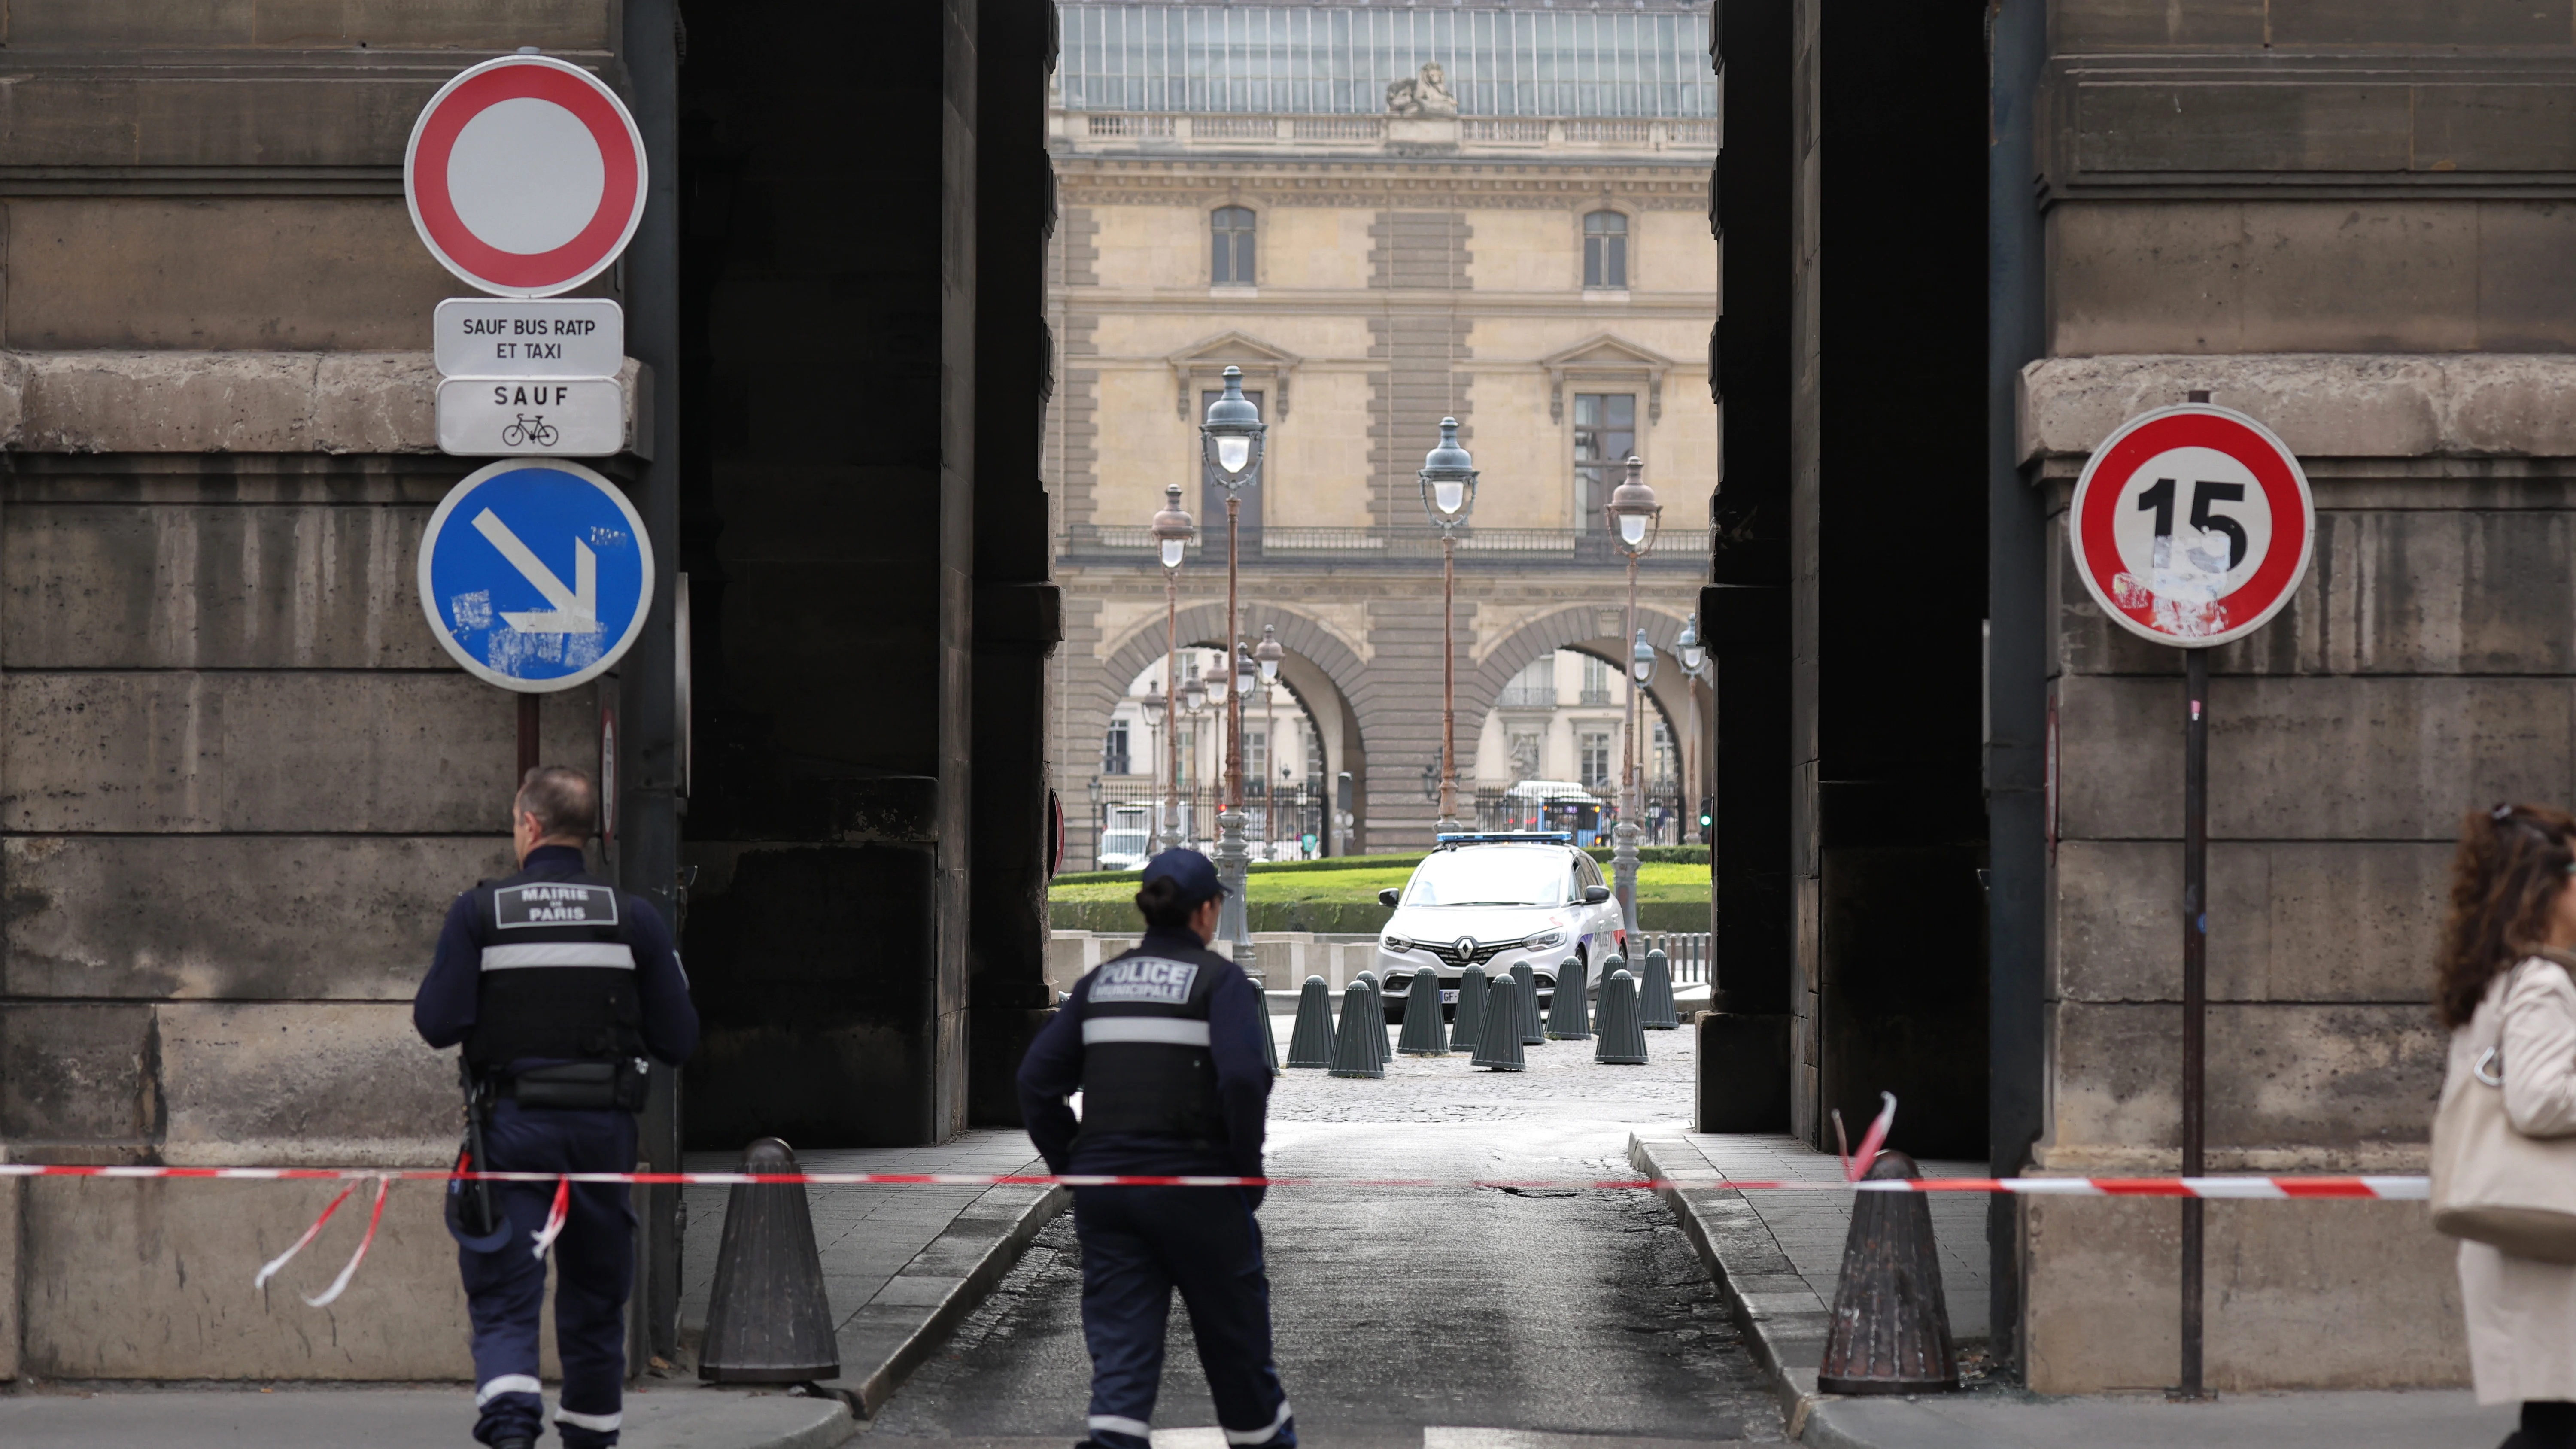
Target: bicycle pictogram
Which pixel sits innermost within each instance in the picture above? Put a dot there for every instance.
(529, 431)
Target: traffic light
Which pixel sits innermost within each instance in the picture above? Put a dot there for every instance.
(1708, 821)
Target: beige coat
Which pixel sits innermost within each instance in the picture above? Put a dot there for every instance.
(2522, 1312)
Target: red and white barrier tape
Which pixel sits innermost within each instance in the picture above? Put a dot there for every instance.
(2386, 1187)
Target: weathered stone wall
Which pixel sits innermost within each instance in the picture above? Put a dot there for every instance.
(2421, 670)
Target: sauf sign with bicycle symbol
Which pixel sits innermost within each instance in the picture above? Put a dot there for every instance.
(526, 178)
(2192, 525)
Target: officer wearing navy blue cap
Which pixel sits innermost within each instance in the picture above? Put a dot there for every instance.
(1164, 1043)
(559, 985)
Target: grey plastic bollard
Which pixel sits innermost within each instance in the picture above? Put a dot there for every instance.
(768, 1320)
(1498, 1040)
(1310, 1041)
(1531, 1032)
(1469, 1026)
(1568, 1015)
(1423, 1035)
(1655, 994)
(1623, 1040)
(1353, 1054)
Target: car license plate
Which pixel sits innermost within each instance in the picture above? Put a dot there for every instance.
(1448, 998)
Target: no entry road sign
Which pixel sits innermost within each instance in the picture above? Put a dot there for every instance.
(525, 176)
(536, 575)
(2192, 525)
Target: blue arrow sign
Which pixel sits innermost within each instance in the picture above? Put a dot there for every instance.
(536, 574)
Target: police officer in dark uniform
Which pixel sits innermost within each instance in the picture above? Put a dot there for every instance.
(1164, 1044)
(560, 986)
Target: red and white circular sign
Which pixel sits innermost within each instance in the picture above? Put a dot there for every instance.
(2192, 525)
(525, 176)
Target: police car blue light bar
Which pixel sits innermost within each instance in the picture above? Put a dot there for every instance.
(1507, 837)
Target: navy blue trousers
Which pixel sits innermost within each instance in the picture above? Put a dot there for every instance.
(1140, 1243)
(594, 1270)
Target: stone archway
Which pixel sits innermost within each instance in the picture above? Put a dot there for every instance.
(1322, 674)
(1579, 629)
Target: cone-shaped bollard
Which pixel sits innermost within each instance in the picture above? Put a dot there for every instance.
(768, 1320)
(1568, 1017)
(1623, 1040)
(1469, 1027)
(1655, 994)
(1423, 1035)
(1310, 1041)
(1891, 1328)
(1498, 1038)
(1610, 963)
(1353, 1056)
(1377, 1020)
(1532, 1033)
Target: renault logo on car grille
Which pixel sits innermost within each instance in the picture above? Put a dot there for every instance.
(1465, 946)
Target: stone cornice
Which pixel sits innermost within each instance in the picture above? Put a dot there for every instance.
(1089, 181)
(2327, 404)
(232, 402)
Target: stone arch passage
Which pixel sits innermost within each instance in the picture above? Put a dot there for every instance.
(1321, 673)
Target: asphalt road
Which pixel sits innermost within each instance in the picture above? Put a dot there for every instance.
(1450, 1318)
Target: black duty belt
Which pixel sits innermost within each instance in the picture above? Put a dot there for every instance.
(581, 1086)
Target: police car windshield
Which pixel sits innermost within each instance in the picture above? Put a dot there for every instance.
(1490, 875)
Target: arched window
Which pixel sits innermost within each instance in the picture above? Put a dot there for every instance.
(1230, 247)
(1605, 251)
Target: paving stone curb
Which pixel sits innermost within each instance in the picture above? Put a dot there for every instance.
(1784, 1322)
(908, 1320)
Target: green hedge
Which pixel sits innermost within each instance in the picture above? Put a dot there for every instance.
(1335, 917)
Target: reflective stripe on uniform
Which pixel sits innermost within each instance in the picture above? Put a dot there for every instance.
(1278, 1422)
(559, 953)
(604, 1423)
(1159, 1030)
(505, 1384)
(1117, 1425)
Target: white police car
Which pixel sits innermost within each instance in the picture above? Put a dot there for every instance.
(1491, 900)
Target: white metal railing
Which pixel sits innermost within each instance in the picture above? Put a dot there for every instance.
(1119, 125)
(1637, 133)
(1234, 128)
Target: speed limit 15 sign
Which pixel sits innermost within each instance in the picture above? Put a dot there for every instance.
(2192, 525)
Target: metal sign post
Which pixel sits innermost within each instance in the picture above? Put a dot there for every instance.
(2192, 527)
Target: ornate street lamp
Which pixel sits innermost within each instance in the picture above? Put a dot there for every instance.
(1694, 659)
(1448, 480)
(1173, 530)
(1635, 517)
(1230, 440)
(1194, 702)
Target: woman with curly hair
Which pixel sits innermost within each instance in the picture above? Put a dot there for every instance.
(2503, 978)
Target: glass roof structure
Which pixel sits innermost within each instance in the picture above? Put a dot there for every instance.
(1339, 60)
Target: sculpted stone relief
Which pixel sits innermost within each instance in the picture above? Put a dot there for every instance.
(1424, 93)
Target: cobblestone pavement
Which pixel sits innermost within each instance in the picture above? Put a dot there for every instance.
(1432, 1318)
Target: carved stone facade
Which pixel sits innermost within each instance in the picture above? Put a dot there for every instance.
(1404, 268)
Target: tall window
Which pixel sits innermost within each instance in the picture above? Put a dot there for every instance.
(1113, 758)
(1534, 687)
(1230, 248)
(1605, 433)
(1596, 679)
(1605, 250)
(1663, 768)
(1596, 759)
(1256, 759)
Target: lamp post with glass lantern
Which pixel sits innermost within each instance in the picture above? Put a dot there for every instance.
(1641, 670)
(1267, 655)
(1694, 659)
(1173, 531)
(1634, 517)
(1230, 456)
(1448, 480)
